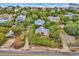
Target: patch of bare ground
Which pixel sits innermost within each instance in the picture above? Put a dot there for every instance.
(18, 43)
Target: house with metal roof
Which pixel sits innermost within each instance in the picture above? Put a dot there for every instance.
(70, 15)
(4, 18)
(10, 33)
(54, 18)
(39, 22)
(20, 18)
(43, 31)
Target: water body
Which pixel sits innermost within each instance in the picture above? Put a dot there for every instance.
(35, 4)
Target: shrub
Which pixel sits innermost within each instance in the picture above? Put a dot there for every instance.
(54, 31)
(64, 19)
(4, 29)
(72, 28)
(20, 41)
(36, 39)
(2, 38)
(18, 29)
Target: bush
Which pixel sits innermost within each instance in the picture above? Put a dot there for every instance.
(36, 39)
(72, 28)
(54, 31)
(2, 38)
(64, 19)
(4, 29)
(20, 41)
(28, 21)
(18, 29)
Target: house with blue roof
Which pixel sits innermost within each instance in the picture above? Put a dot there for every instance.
(39, 22)
(43, 31)
(20, 19)
(5, 18)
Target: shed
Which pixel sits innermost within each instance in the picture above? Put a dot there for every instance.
(10, 34)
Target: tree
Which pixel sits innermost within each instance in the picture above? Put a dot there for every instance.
(48, 24)
(18, 28)
(34, 16)
(72, 28)
(4, 29)
(28, 21)
(75, 17)
(64, 19)
(2, 38)
(54, 31)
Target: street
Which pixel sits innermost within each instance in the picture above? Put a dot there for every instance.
(37, 53)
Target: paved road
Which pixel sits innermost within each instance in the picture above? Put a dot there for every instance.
(37, 53)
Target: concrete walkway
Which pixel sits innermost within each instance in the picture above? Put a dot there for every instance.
(9, 42)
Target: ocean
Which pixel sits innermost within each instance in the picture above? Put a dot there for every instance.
(35, 4)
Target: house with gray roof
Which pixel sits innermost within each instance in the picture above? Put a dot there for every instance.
(54, 18)
(2, 20)
(20, 18)
(10, 33)
(5, 18)
(43, 31)
(70, 15)
(39, 22)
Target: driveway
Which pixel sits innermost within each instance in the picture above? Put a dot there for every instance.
(8, 43)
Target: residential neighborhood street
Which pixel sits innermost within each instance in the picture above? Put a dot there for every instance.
(37, 53)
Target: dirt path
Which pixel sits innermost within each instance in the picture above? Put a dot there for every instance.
(64, 41)
(8, 43)
(26, 46)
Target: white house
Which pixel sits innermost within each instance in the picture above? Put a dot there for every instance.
(43, 31)
(54, 18)
(20, 18)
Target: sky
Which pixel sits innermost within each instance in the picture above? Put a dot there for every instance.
(39, 1)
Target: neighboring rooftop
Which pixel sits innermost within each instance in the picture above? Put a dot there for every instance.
(20, 18)
(10, 33)
(42, 31)
(54, 18)
(39, 22)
